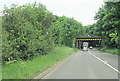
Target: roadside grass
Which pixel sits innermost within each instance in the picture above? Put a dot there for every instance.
(27, 69)
(108, 50)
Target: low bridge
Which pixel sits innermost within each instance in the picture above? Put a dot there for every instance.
(93, 41)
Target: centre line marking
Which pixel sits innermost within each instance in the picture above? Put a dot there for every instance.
(105, 63)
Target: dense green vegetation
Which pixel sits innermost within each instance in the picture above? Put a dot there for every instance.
(110, 51)
(27, 69)
(30, 30)
(107, 25)
(32, 37)
(65, 30)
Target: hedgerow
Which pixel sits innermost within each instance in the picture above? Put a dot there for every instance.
(31, 30)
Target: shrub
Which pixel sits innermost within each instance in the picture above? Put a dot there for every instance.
(26, 32)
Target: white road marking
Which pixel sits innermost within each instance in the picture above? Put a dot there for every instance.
(105, 63)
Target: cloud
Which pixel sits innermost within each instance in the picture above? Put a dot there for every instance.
(82, 10)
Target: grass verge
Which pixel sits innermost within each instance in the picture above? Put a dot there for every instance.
(27, 69)
(107, 50)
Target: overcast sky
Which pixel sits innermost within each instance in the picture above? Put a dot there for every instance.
(81, 10)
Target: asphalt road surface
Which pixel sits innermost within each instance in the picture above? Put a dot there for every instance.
(86, 65)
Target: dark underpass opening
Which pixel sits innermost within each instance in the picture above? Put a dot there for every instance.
(81, 42)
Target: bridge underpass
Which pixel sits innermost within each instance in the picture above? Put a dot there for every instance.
(92, 41)
(87, 64)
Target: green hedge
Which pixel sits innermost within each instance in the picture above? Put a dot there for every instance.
(112, 51)
(30, 30)
(26, 32)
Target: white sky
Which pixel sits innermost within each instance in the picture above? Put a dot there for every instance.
(81, 10)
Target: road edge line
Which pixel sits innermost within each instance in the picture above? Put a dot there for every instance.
(105, 63)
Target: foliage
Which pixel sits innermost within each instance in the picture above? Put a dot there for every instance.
(28, 69)
(107, 25)
(30, 30)
(65, 30)
(26, 32)
(111, 51)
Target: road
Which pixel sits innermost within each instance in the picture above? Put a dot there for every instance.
(86, 65)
